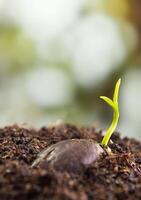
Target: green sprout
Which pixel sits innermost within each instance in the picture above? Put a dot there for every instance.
(114, 104)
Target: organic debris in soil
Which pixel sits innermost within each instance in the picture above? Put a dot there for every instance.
(116, 176)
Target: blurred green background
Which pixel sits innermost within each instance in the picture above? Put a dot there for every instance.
(58, 57)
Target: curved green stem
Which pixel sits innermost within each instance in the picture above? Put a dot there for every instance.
(111, 129)
(114, 104)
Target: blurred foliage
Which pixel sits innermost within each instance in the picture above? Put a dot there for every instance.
(16, 51)
(20, 55)
(116, 8)
(119, 8)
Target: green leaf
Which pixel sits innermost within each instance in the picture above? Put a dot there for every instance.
(116, 92)
(108, 101)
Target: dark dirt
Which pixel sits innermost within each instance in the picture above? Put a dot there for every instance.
(116, 176)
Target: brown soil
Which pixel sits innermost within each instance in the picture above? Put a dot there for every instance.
(116, 176)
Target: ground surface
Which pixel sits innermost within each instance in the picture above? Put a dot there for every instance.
(114, 177)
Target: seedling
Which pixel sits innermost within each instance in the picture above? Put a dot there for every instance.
(114, 104)
(72, 154)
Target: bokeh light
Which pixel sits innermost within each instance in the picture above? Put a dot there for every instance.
(57, 57)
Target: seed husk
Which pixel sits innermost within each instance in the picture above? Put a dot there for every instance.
(70, 155)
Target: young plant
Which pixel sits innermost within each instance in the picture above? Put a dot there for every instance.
(72, 154)
(114, 104)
